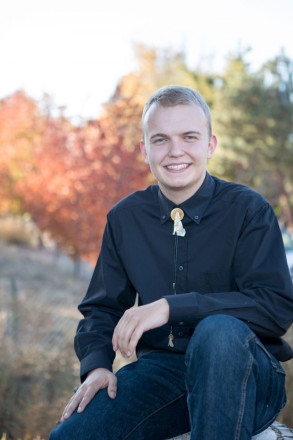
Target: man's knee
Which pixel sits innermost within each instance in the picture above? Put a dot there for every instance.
(217, 326)
(218, 333)
(89, 424)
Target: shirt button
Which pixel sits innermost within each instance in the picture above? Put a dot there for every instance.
(180, 267)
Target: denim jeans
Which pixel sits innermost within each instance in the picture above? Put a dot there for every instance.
(226, 387)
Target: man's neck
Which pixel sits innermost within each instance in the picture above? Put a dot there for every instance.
(179, 196)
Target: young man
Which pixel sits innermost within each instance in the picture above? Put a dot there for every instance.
(215, 296)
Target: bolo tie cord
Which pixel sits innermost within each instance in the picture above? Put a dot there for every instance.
(171, 336)
(176, 215)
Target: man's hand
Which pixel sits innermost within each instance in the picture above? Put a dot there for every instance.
(96, 380)
(135, 322)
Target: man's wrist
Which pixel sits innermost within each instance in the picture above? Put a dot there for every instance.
(165, 309)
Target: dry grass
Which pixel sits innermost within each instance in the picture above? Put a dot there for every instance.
(38, 318)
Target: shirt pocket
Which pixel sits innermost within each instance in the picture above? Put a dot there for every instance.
(221, 281)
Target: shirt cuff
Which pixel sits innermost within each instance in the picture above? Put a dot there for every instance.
(183, 309)
(95, 360)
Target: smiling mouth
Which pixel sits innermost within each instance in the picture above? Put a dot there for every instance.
(178, 167)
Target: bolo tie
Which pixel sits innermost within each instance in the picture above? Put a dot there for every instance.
(178, 231)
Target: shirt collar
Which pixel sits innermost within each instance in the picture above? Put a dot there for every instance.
(194, 207)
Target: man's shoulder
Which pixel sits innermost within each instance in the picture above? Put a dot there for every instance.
(233, 192)
(132, 201)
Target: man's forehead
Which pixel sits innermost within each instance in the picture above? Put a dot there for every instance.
(189, 116)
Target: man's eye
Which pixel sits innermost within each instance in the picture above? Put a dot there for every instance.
(191, 138)
(159, 140)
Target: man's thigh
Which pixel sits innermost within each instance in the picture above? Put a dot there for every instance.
(150, 403)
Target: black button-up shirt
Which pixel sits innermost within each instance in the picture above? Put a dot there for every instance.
(231, 261)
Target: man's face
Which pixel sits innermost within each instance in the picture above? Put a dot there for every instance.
(176, 146)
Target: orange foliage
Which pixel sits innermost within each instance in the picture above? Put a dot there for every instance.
(80, 172)
(20, 128)
(68, 177)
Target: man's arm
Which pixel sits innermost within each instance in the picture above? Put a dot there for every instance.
(110, 293)
(263, 292)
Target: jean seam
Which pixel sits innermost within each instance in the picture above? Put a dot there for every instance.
(154, 412)
(243, 390)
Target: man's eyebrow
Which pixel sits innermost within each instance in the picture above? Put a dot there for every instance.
(157, 135)
(192, 132)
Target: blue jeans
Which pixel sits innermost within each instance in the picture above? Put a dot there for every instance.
(226, 387)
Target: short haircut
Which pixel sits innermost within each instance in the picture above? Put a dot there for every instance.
(172, 95)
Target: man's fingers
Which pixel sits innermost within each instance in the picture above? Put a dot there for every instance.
(112, 387)
(127, 333)
(96, 380)
(71, 406)
(124, 326)
(127, 342)
(89, 394)
(128, 345)
(136, 335)
(80, 400)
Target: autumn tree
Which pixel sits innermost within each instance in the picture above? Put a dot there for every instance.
(80, 172)
(47, 189)
(20, 129)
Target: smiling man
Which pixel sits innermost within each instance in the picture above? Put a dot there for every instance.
(207, 261)
(177, 143)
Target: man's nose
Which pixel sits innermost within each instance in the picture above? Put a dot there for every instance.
(175, 148)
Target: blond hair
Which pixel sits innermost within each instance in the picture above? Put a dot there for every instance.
(169, 96)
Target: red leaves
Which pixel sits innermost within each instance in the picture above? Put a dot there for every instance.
(74, 175)
(20, 129)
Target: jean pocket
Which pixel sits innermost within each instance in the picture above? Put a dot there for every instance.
(274, 362)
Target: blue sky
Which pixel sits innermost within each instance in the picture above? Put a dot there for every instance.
(77, 50)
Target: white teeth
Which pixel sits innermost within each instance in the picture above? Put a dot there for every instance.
(177, 167)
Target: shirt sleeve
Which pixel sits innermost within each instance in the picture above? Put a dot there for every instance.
(109, 294)
(263, 290)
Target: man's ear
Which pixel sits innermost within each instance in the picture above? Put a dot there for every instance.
(144, 151)
(212, 146)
